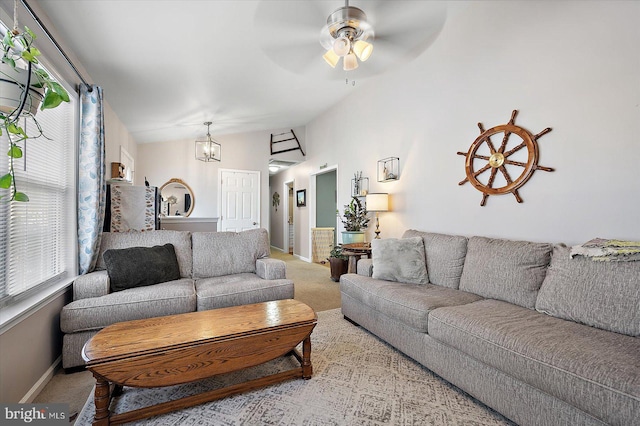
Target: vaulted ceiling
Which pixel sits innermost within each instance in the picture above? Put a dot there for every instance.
(168, 66)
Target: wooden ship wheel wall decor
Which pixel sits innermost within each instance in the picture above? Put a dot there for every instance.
(484, 157)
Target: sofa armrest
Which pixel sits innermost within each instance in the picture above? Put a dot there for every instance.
(271, 269)
(94, 284)
(365, 267)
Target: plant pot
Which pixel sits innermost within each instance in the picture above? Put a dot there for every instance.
(338, 267)
(350, 237)
(12, 82)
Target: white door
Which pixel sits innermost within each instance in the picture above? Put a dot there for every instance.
(239, 200)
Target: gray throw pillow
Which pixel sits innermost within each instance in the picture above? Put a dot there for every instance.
(506, 270)
(141, 266)
(401, 260)
(600, 294)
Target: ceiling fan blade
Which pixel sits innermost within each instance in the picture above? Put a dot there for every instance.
(288, 32)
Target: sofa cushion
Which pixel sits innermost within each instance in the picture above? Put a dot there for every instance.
(217, 254)
(505, 270)
(173, 297)
(601, 294)
(181, 241)
(595, 370)
(141, 266)
(407, 303)
(445, 256)
(240, 289)
(400, 260)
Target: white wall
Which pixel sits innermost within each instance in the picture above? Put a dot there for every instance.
(116, 136)
(160, 162)
(571, 66)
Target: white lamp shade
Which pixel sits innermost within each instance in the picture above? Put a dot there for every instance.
(342, 46)
(331, 58)
(362, 49)
(377, 202)
(350, 62)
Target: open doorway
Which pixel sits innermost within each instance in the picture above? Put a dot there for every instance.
(288, 226)
(322, 215)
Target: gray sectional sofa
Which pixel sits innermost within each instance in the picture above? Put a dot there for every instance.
(215, 270)
(541, 337)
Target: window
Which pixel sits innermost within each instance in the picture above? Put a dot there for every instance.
(37, 238)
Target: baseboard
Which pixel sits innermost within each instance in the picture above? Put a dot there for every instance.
(42, 382)
(277, 249)
(306, 259)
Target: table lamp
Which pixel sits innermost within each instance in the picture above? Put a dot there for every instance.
(377, 202)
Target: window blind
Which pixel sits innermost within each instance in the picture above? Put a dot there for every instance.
(35, 241)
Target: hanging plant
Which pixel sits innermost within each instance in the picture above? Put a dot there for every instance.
(22, 75)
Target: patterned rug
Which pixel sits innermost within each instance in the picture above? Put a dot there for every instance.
(357, 380)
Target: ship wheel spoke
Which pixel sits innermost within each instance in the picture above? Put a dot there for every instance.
(475, 174)
(515, 163)
(517, 148)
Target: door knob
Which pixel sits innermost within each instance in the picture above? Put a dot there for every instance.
(255, 223)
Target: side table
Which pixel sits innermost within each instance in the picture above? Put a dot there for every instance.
(355, 251)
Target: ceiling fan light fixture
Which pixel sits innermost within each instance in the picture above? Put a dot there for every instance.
(345, 34)
(362, 49)
(331, 58)
(342, 46)
(350, 62)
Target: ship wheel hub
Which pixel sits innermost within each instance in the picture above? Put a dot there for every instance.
(496, 160)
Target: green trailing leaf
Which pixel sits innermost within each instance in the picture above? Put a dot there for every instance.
(9, 62)
(6, 41)
(5, 181)
(15, 152)
(16, 130)
(20, 196)
(51, 100)
(31, 33)
(28, 55)
(57, 87)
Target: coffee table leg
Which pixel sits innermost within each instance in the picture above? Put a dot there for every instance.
(307, 370)
(101, 400)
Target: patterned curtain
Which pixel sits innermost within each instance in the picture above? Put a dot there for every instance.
(91, 177)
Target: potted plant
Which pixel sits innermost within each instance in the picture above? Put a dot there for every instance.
(25, 86)
(355, 220)
(338, 262)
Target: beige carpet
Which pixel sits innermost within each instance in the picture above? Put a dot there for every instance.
(312, 284)
(357, 380)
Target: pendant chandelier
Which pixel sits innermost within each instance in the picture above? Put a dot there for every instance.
(208, 149)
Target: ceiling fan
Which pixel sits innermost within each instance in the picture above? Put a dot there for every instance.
(400, 30)
(345, 36)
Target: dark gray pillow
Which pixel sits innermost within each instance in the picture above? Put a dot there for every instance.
(141, 266)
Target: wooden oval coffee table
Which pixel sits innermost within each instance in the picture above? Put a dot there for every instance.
(171, 350)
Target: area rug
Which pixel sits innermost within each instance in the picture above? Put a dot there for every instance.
(357, 380)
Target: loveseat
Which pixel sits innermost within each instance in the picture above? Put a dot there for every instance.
(540, 336)
(214, 270)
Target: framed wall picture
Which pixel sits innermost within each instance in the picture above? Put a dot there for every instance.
(301, 197)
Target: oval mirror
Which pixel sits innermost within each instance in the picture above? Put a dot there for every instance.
(177, 198)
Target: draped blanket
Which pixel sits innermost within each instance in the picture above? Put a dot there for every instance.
(604, 250)
(133, 208)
